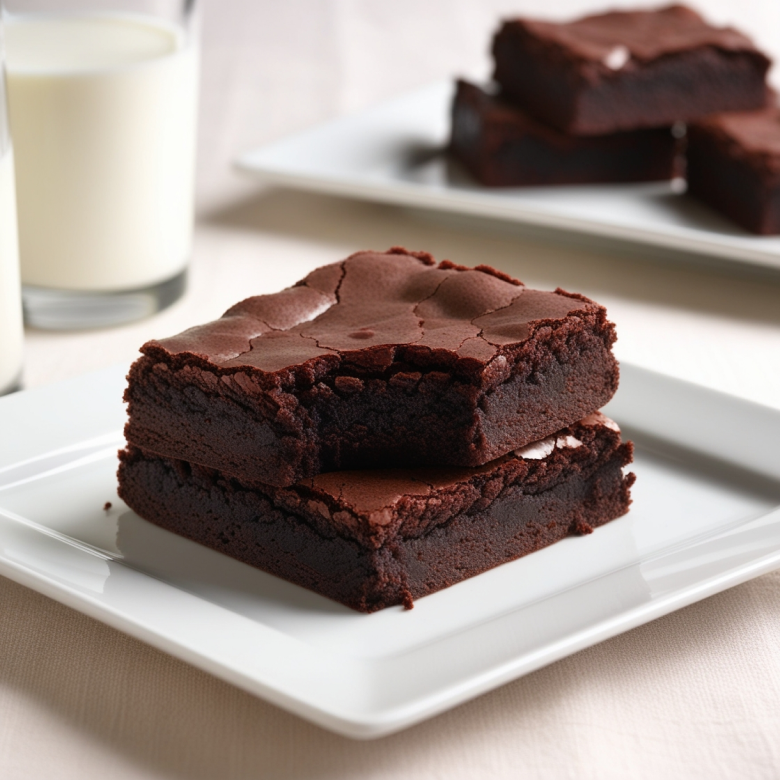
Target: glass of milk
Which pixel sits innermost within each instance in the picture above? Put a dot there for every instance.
(10, 291)
(103, 101)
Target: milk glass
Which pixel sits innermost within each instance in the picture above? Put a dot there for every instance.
(10, 292)
(103, 100)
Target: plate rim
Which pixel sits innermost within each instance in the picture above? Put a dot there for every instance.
(261, 163)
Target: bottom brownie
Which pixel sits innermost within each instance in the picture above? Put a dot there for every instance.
(372, 539)
(502, 146)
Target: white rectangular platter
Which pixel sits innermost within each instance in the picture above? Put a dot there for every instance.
(706, 516)
(393, 153)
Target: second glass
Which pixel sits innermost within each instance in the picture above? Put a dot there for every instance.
(103, 113)
(11, 334)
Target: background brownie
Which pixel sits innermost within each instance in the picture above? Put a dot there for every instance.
(627, 70)
(375, 539)
(502, 146)
(734, 166)
(383, 359)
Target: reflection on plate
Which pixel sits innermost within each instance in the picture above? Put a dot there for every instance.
(393, 153)
(706, 516)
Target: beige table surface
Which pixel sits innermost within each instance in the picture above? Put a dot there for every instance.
(693, 695)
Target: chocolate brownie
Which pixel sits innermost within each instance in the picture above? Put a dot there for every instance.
(625, 70)
(372, 539)
(384, 359)
(734, 166)
(503, 146)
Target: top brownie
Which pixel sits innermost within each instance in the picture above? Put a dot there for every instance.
(381, 360)
(628, 70)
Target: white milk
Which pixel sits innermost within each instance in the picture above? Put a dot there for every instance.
(10, 291)
(103, 113)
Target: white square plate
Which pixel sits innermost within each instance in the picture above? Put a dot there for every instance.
(706, 516)
(392, 153)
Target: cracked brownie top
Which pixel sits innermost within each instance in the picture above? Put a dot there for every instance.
(363, 310)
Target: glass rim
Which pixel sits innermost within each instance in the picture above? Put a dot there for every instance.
(183, 11)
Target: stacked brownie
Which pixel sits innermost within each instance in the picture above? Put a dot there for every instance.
(383, 429)
(597, 99)
(734, 166)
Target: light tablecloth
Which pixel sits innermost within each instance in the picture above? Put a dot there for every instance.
(693, 695)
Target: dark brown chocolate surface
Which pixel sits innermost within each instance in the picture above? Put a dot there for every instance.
(375, 539)
(734, 166)
(625, 70)
(646, 35)
(383, 359)
(360, 311)
(503, 146)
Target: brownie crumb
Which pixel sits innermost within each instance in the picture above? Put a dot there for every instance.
(107, 506)
(583, 528)
(408, 601)
(425, 257)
